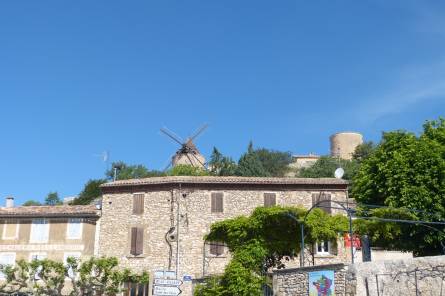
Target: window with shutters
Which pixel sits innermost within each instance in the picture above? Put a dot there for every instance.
(270, 199)
(11, 229)
(216, 248)
(137, 241)
(138, 204)
(39, 231)
(217, 202)
(325, 199)
(74, 228)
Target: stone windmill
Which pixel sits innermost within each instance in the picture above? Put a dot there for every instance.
(188, 153)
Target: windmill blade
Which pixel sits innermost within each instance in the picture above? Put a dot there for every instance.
(203, 166)
(167, 166)
(172, 135)
(170, 163)
(187, 155)
(198, 132)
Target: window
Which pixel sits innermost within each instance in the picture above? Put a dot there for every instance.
(39, 231)
(217, 202)
(216, 248)
(138, 204)
(135, 289)
(6, 259)
(325, 199)
(323, 248)
(74, 228)
(65, 260)
(11, 229)
(137, 241)
(270, 199)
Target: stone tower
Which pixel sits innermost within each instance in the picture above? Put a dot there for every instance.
(343, 144)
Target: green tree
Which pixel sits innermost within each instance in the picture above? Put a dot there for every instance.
(221, 165)
(325, 167)
(90, 192)
(363, 151)
(126, 171)
(408, 171)
(31, 202)
(96, 276)
(263, 163)
(53, 199)
(187, 170)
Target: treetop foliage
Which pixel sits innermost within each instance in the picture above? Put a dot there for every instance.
(187, 170)
(53, 199)
(408, 171)
(90, 192)
(260, 162)
(31, 202)
(325, 167)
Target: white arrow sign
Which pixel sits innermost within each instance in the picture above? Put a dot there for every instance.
(167, 282)
(166, 291)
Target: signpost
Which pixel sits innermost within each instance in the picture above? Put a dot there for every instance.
(167, 282)
(164, 285)
(166, 291)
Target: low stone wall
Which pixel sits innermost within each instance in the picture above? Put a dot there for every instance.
(295, 281)
(418, 276)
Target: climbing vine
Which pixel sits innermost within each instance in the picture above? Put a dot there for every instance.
(265, 239)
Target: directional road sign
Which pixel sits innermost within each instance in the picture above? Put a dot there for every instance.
(167, 282)
(166, 291)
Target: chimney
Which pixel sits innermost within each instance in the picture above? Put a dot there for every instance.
(10, 202)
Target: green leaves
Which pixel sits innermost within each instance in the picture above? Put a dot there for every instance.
(261, 241)
(187, 170)
(408, 171)
(96, 276)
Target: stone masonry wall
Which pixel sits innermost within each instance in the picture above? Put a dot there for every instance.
(295, 281)
(196, 218)
(407, 277)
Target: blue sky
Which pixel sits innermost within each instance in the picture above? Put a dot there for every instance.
(81, 77)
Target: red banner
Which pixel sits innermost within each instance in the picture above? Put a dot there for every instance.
(355, 241)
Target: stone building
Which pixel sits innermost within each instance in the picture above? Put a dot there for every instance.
(139, 223)
(53, 232)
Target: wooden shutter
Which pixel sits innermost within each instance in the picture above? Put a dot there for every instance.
(270, 199)
(138, 204)
(326, 205)
(217, 202)
(137, 241)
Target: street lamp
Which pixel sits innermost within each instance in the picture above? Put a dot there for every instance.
(342, 207)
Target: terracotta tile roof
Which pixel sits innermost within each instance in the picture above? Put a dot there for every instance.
(51, 211)
(225, 180)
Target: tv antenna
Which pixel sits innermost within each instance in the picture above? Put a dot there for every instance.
(104, 157)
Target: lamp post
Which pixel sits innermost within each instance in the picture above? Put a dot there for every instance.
(302, 238)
